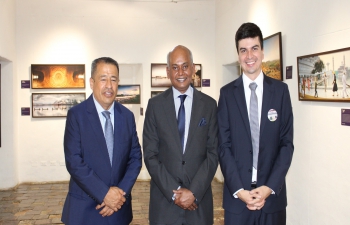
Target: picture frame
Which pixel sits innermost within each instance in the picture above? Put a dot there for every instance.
(272, 64)
(57, 76)
(155, 93)
(54, 104)
(159, 77)
(129, 94)
(324, 76)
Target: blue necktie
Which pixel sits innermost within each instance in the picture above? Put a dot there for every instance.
(181, 117)
(254, 123)
(109, 134)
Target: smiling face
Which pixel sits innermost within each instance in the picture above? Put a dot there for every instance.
(104, 84)
(180, 68)
(250, 56)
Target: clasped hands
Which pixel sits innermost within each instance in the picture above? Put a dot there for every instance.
(255, 199)
(185, 199)
(112, 202)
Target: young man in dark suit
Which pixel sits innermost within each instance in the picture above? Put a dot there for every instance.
(255, 138)
(102, 152)
(180, 148)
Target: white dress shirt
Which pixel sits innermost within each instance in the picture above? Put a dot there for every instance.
(188, 109)
(259, 93)
(100, 115)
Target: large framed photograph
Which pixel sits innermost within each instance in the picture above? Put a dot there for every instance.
(272, 63)
(129, 94)
(46, 76)
(324, 76)
(155, 93)
(54, 104)
(159, 76)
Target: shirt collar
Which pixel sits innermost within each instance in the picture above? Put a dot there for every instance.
(189, 92)
(100, 109)
(259, 80)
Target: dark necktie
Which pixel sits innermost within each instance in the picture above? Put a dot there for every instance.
(109, 134)
(254, 123)
(181, 117)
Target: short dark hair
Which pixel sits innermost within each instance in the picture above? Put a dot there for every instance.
(249, 30)
(106, 60)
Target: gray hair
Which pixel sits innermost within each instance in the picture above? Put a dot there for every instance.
(179, 46)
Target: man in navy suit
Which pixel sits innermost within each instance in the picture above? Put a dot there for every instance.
(254, 157)
(101, 177)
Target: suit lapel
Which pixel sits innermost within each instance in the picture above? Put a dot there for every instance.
(97, 128)
(169, 112)
(119, 124)
(238, 94)
(197, 108)
(268, 93)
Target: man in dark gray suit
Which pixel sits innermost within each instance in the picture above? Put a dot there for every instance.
(180, 143)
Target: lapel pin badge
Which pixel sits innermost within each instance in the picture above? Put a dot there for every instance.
(272, 115)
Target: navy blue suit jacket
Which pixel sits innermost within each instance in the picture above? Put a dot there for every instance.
(235, 145)
(87, 161)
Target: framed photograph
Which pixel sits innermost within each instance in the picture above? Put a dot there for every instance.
(159, 76)
(129, 94)
(197, 76)
(272, 63)
(324, 76)
(48, 76)
(54, 104)
(155, 93)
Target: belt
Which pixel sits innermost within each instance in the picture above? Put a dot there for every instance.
(253, 185)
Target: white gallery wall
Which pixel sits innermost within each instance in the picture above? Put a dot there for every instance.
(318, 180)
(65, 31)
(8, 153)
(76, 32)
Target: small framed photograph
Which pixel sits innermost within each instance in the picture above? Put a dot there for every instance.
(159, 77)
(129, 94)
(324, 76)
(197, 76)
(47, 76)
(272, 63)
(155, 93)
(54, 104)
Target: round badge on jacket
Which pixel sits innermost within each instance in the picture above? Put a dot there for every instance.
(272, 115)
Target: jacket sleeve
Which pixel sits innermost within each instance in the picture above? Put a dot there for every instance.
(227, 160)
(286, 148)
(162, 178)
(80, 172)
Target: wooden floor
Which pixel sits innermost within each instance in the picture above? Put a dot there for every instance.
(42, 204)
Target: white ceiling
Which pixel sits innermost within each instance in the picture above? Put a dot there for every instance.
(155, 0)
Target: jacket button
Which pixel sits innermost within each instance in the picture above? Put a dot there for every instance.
(250, 152)
(250, 170)
(183, 162)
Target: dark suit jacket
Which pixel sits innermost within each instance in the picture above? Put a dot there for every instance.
(88, 163)
(169, 168)
(235, 145)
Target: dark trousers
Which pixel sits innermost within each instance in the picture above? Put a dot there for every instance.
(255, 217)
(180, 221)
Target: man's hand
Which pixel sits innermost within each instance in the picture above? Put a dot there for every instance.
(185, 199)
(248, 198)
(114, 198)
(106, 211)
(263, 192)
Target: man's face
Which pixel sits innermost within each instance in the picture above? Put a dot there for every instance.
(104, 84)
(250, 56)
(180, 69)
